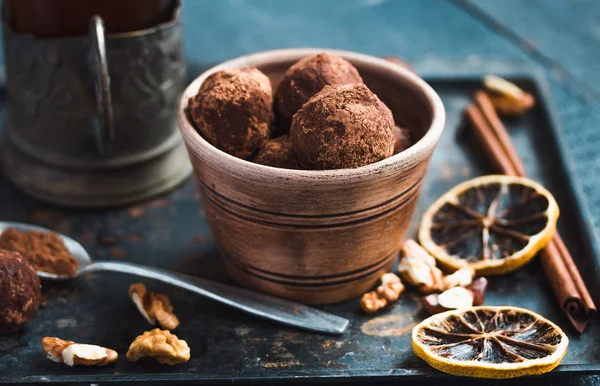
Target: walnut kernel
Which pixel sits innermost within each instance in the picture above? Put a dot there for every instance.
(461, 277)
(388, 291)
(391, 287)
(161, 345)
(153, 307)
(371, 302)
(74, 354)
(418, 268)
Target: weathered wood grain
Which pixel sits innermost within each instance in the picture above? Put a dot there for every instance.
(564, 35)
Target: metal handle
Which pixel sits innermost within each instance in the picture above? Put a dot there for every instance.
(102, 85)
(264, 306)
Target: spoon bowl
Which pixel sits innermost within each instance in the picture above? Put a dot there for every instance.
(261, 305)
(76, 249)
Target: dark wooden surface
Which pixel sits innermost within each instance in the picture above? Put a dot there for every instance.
(172, 233)
(429, 34)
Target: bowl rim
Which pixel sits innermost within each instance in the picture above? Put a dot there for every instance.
(417, 150)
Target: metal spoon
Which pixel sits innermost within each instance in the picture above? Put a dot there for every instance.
(264, 306)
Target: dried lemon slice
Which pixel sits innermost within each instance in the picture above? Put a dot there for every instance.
(490, 342)
(493, 223)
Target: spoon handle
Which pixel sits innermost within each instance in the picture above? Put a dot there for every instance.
(261, 305)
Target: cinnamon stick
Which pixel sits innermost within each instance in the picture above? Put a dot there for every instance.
(489, 112)
(562, 284)
(558, 264)
(485, 136)
(588, 303)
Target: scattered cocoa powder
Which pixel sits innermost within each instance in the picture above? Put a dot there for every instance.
(136, 212)
(107, 241)
(45, 250)
(132, 238)
(117, 253)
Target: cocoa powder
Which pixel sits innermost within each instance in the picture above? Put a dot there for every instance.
(343, 126)
(305, 79)
(279, 153)
(233, 110)
(45, 250)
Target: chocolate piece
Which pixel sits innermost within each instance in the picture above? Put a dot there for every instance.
(306, 78)
(19, 291)
(402, 139)
(278, 153)
(478, 288)
(233, 110)
(343, 126)
(431, 304)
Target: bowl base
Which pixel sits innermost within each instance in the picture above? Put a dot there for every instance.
(320, 294)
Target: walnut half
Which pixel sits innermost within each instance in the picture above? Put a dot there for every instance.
(74, 354)
(418, 268)
(388, 291)
(153, 307)
(461, 277)
(391, 287)
(161, 345)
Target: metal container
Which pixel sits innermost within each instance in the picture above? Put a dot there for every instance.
(92, 119)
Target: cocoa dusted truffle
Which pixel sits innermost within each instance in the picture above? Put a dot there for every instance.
(343, 126)
(402, 139)
(233, 110)
(278, 153)
(19, 291)
(306, 78)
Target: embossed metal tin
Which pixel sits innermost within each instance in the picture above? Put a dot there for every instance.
(75, 136)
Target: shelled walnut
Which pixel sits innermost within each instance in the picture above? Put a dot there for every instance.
(387, 292)
(461, 277)
(153, 307)
(161, 345)
(418, 268)
(371, 302)
(74, 354)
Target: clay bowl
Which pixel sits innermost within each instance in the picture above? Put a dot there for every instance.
(316, 236)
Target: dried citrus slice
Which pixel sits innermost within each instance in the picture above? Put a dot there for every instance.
(490, 342)
(493, 223)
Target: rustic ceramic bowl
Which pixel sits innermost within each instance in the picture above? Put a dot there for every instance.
(316, 236)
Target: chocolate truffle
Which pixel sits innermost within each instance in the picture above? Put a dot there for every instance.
(233, 110)
(343, 126)
(19, 291)
(402, 139)
(278, 153)
(306, 78)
